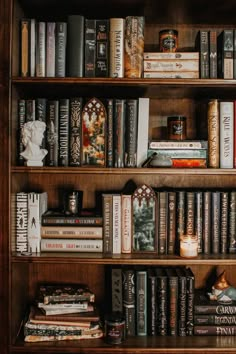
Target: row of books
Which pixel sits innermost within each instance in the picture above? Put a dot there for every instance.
(82, 47)
(154, 300)
(106, 133)
(63, 312)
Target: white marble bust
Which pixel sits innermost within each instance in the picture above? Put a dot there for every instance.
(32, 135)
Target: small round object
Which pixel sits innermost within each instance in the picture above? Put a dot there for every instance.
(168, 40)
(115, 332)
(176, 127)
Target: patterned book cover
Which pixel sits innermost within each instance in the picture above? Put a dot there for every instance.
(131, 129)
(116, 42)
(171, 221)
(199, 219)
(89, 47)
(213, 134)
(173, 299)
(110, 132)
(52, 133)
(225, 46)
(21, 222)
(190, 212)
(162, 301)
(21, 121)
(134, 46)
(152, 303)
(216, 222)
(75, 131)
(207, 225)
(116, 289)
(232, 222)
(181, 215)
(60, 49)
(63, 156)
(102, 48)
(163, 222)
(94, 118)
(190, 285)
(224, 221)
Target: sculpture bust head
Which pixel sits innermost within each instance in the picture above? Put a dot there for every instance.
(32, 135)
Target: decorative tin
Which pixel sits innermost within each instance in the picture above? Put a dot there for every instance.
(168, 40)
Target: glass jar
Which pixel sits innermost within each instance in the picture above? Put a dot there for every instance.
(176, 127)
(115, 332)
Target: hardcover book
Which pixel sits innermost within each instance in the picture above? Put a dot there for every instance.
(68, 232)
(24, 41)
(204, 306)
(190, 286)
(41, 49)
(171, 74)
(32, 47)
(116, 223)
(152, 303)
(71, 245)
(129, 300)
(110, 132)
(63, 154)
(207, 224)
(226, 134)
(183, 144)
(41, 114)
(75, 131)
(54, 217)
(213, 134)
(173, 299)
(52, 133)
(75, 49)
(163, 222)
(199, 219)
(212, 330)
(225, 47)
(203, 45)
(143, 133)
(89, 47)
(60, 49)
(216, 222)
(50, 49)
(21, 222)
(232, 222)
(224, 221)
(116, 42)
(182, 295)
(107, 205)
(141, 302)
(131, 128)
(102, 48)
(119, 132)
(177, 65)
(116, 289)
(213, 54)
(162, 301)
(190, 212)
(219, 320)
(126, 223)
(171, 223)
(170, 55)
(21, 122)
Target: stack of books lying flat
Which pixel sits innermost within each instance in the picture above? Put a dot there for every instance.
(63, 312)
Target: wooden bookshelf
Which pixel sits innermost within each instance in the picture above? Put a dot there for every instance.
(20, 275)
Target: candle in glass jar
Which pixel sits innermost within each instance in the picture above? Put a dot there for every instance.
(188, 246)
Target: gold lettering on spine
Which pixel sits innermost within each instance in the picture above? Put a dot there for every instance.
(213, 134)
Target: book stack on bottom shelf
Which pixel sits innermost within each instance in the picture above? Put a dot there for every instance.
(63, 312)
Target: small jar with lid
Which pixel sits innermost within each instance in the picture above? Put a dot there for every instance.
(176, 126)
(115, 332)
(168, 40)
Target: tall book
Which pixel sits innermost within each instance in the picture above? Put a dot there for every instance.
(41, 114)
(60, 49)
(131, 128)
(182, 297)
(226, 134)
(134, 46)
(21, 222)
(30, 110)
(50, 49)
(89, 47)
(171, 222)
(142, 134)
(213, 53)
(24, 49)
(224, 221)
(216, 222)
(116, 290)
(207, 224)
(199, 219)
(126, 223)
(116, 41)
(107, 207)
(234, 53)
(129, 300)
(119, 132)
(63, 157)
(162, 301)
(225, 47)
(52, 132)
(116, 213)
(32, 47)
(41, 49)
(173, 299)
(203, 45)
(110, 132)
(75, 131)
(102, 49)
(152, 302)
(190, 286)
(181, 216)
(163, 222)
(21, 122)
(75, 46)
(232, 221)
(190, 212)
(141, 302)
(213, 134)
(37, 205)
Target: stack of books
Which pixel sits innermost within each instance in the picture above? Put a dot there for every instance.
(63, 312)
(180, 65)
(77, 233)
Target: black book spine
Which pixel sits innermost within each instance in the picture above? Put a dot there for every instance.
(190, 213)
(75, 131)
(173, 298)
(110, 132)
(215, 222)
(206, 222)
(52, 133)
(63, 132)
(119, 132)
(171, 239)
(75, 50)
(116, 288)
(141, 302)
(102, 49)
(152, 303)
(204, 54)
(182, 304)
(30, 110)
(89, 48)
(21, 122)
(190, 285)
(199, 220)
(41, 113)
(162, 233)
(224, 222)
(181, 209)
(60, 49)
(232, 222)
(213, 53)
(161, 302)
(131, 123)
(129, 300)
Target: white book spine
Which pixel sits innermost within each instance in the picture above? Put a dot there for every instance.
(72, 245)
(21, 222)
(41, 49)
(37, 205)
(117, 28)
(71, 231)
(50, 49)
(175, 145)
(171, 75)
(116, 202)
(32, 47)
(126, 223)
(142, 136)
(171, 65)
(226, 134)
(171, 56)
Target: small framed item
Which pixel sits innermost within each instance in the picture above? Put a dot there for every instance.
(144, 206)
(93, 133)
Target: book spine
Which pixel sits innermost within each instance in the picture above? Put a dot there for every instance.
(170, 65)
(181, 215)
(116, 41)
(170, 56)
(190, 286)
(182, 296)
(63, 132)
(71, 232)
(126, 223)
(134, 46)
(161, 302)
(50, 49)
(171, 74)
(171, 227)
(173, 299)
(21, 222)
(141, 302)
(41, 114)
(224, 223)
(41, 49)
(108, 223)
(170, 145)
(163, 217)
(60, 49)
(234, 55)
(32, 48)
(232, 222)
(21, 122)
(206, 222)
(117, 290)
(204, 320)
(75, 131)
(216, 309)
(102, 52)
(142, 135)
(152, 303)
(213, 134)
(226, 134)
(37, 205)
(129, 300)
(228, 53)
(52, 133)
(110, 132)
(212, 330)
(71, 220)
(215, 222)
(116, 212)
(89, 47)
(180, 153)
(199, 220)
(30, 110)
(213, 53)
(72, 245)
(190, 213)
(75, 48)
(204, 54)
(25, 33)
(131, 123)
(190, 163)
(119, 132)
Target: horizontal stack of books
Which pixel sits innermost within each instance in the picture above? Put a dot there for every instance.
(180, 65)
(77, 233)
(63, 312)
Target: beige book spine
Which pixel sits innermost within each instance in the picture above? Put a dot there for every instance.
(213, 134)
